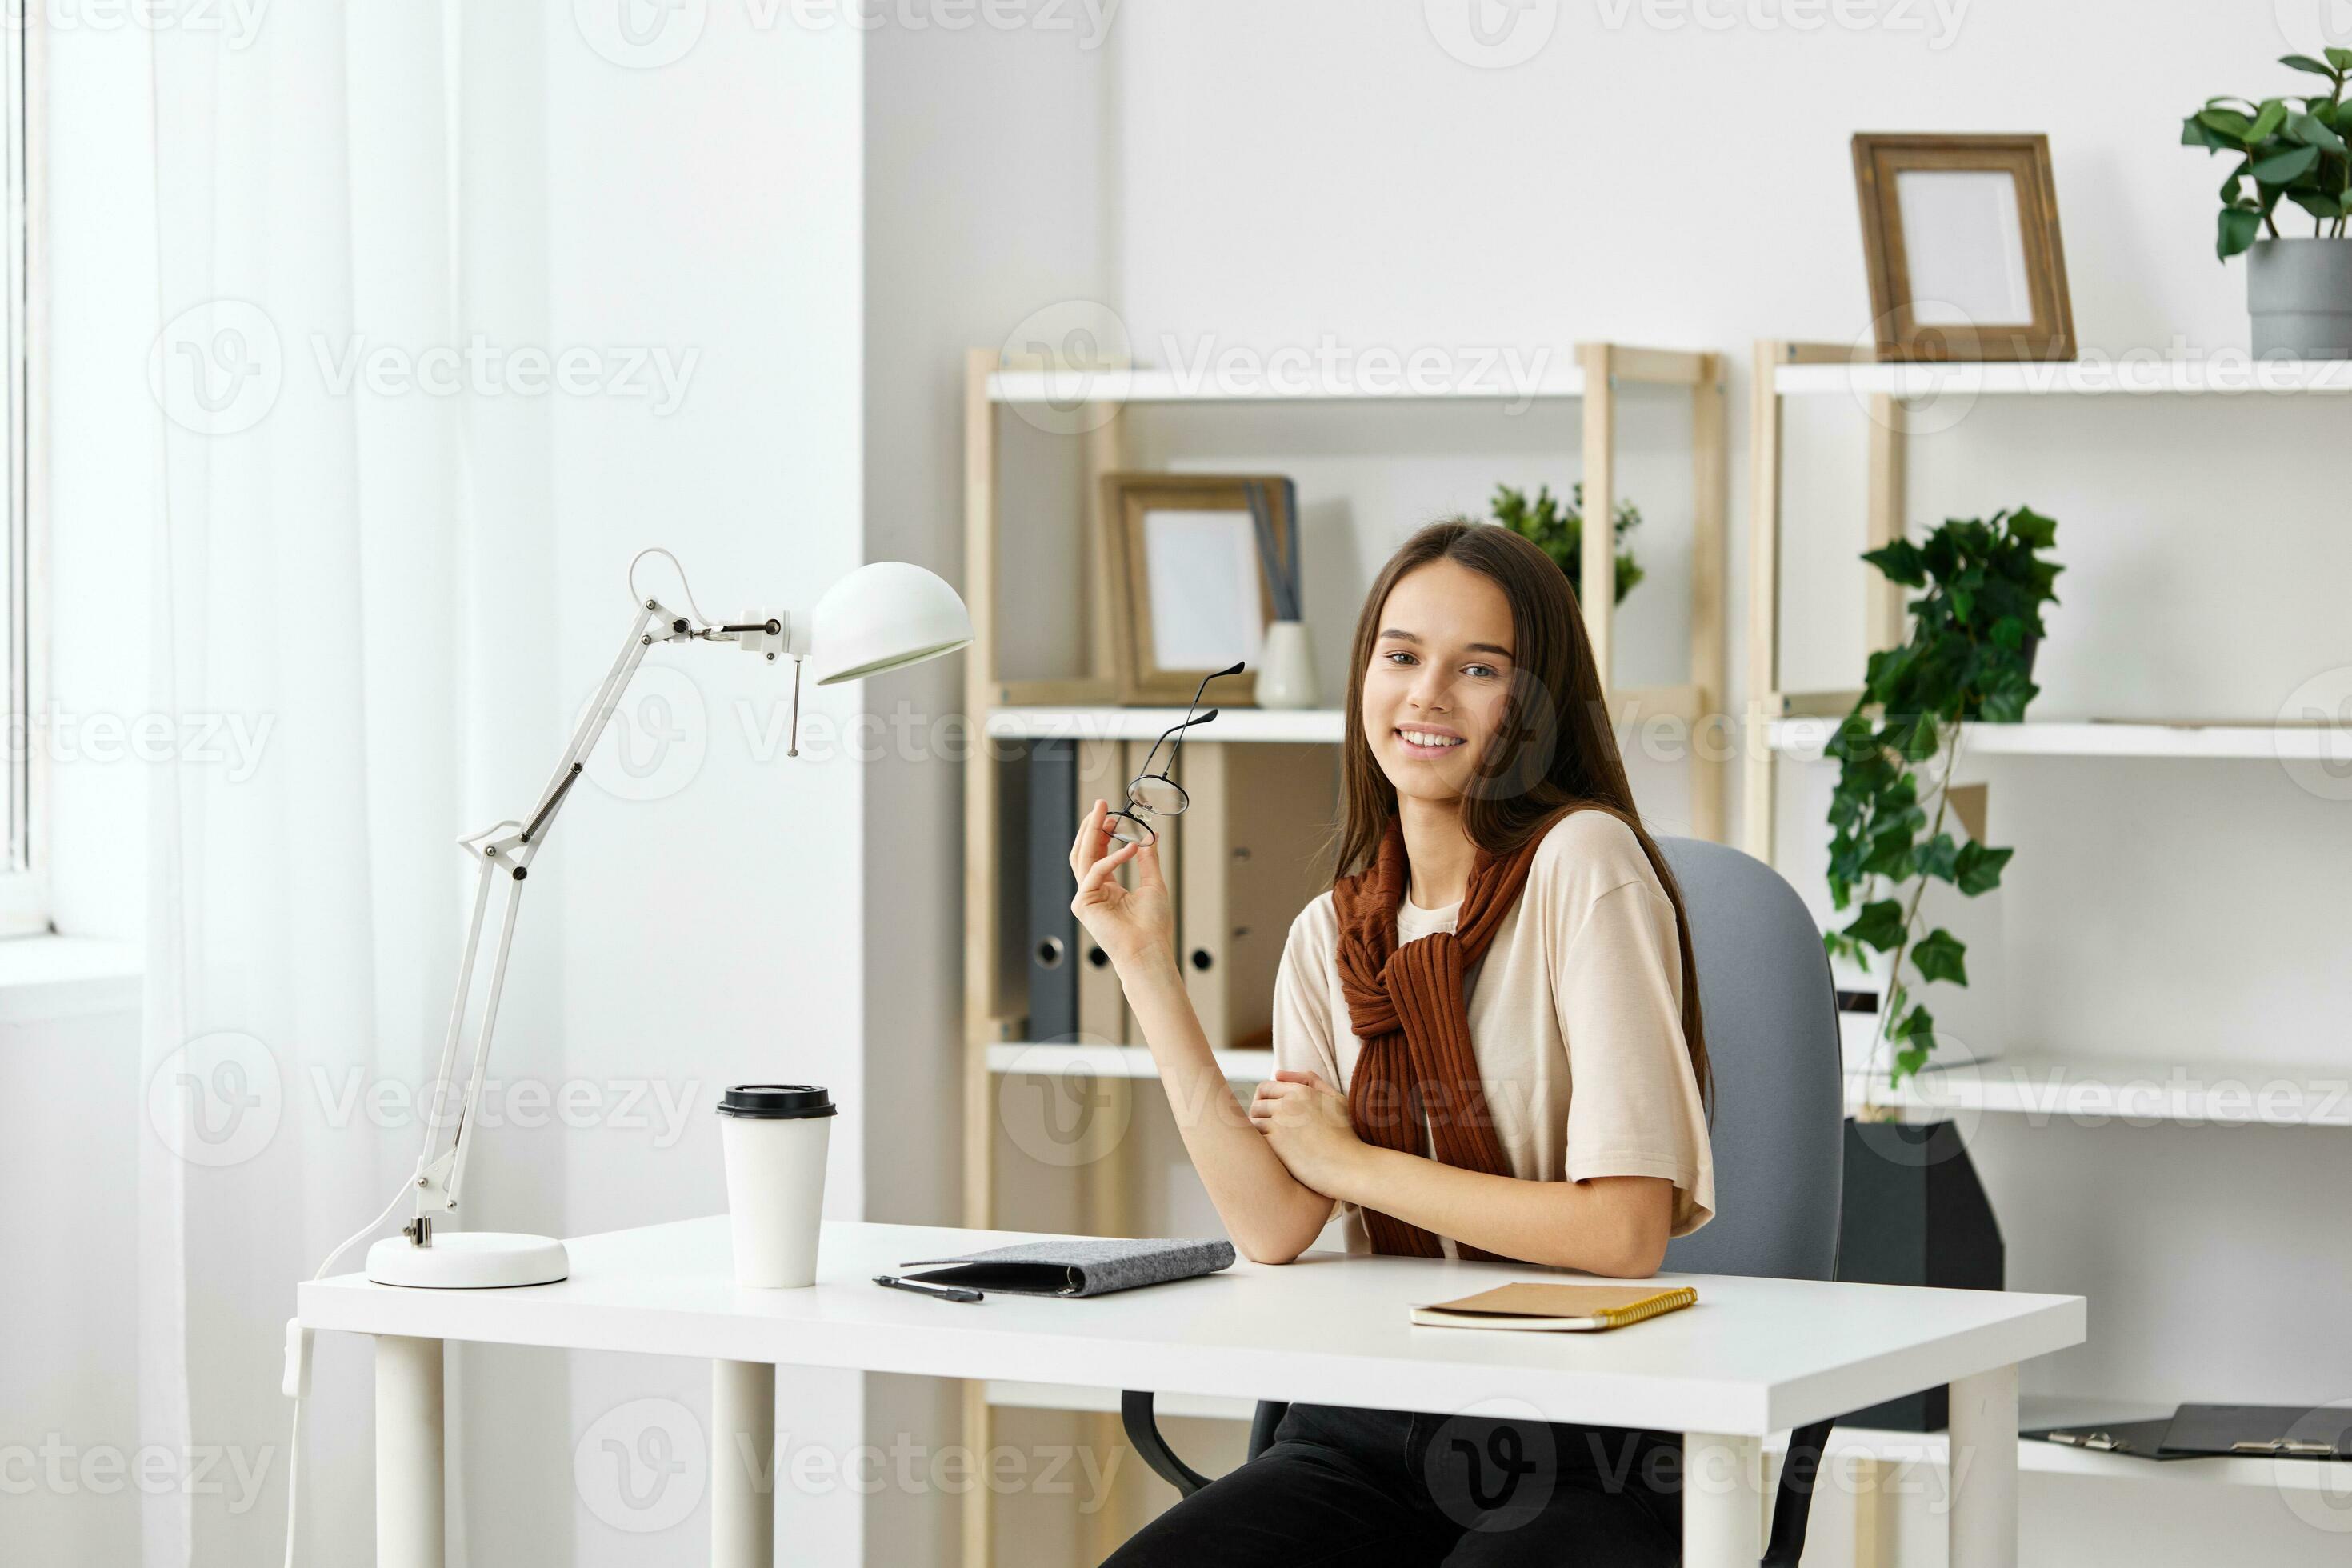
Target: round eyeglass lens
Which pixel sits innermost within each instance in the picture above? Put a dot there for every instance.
(1159, 796)
(1125, 830)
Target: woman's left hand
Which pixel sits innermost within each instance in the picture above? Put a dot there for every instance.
(1307, 1121)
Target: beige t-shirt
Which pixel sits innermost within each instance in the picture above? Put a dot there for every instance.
(1575, 1018)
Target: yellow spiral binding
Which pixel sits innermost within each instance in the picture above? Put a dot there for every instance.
(1664, 1301)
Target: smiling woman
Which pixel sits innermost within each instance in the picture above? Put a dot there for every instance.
(1484, 1041)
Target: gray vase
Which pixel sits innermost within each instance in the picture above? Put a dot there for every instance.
(2299, 292)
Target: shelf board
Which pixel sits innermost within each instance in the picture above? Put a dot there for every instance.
(2222, 376)
(1059, 1059)
(1559, 377)
(2252, 740)
(2221, 1094)
(1322, 726)
(2036, 1456)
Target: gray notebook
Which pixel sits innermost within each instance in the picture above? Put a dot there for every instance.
(1078, 1265)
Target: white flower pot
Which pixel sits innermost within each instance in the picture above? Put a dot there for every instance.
(1285, 670)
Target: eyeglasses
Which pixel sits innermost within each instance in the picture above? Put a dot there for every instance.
(1159, 794)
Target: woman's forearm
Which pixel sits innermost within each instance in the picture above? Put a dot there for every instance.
(1610, 1224)
(1271, 1215)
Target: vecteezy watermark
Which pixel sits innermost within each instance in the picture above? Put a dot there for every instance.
(643, 1467)
(1075, 1471)
(61, 1468)
(655, 742)
(2319, 1494)
(233, 743)
(2314, 27)
(2313, 734)
(219, 367)
(1069, 369)
(642, 35)
(1061, 1112)
(217, 1099)
(237, 22)
(1081, 350)
(657, 1106)
(1492, 35)
(655, 372)
(1937, 21)
(646, 35)
(216, 368)
(1493, 1465)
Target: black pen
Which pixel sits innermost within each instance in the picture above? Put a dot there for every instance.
(944, 1292)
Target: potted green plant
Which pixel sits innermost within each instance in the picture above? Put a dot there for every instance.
(2291, 149)
(1914, 1211)
(1558, 530)
(1970, 657)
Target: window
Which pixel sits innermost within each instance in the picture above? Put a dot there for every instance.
(24, 901)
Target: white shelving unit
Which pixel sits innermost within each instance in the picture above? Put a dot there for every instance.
(1795, 727)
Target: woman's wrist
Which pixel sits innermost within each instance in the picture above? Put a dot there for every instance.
(1360, 1175)
(1152, 964)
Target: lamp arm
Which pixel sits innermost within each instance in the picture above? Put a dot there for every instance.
(510, 846)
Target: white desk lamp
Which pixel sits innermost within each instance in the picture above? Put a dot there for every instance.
(881, 616)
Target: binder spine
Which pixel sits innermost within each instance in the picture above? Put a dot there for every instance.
(1054, 932)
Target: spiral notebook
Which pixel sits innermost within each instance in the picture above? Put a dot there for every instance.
(1575, 1309)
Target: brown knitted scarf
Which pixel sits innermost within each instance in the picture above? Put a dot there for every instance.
(1412, 1013)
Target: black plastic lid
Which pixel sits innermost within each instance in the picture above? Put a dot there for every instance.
(772, 1101)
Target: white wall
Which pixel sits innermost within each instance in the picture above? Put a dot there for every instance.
(986, 162)
(711, 932)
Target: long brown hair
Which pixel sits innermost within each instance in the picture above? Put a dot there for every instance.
(1555, 752)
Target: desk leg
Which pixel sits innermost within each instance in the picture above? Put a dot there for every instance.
(742, 1464)
(1723, 1500)
(1983, 1518)
(410, 1507)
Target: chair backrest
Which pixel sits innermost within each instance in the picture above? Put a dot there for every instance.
(1772, 1042)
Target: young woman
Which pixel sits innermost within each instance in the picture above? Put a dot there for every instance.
(1485, 1048)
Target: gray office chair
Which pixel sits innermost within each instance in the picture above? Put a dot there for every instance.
(1772, 1040)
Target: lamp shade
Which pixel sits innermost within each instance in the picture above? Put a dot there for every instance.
(882, 616)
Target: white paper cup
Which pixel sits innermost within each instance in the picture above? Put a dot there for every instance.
(775, 1136)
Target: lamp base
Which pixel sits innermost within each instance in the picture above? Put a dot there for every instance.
(469, 1260)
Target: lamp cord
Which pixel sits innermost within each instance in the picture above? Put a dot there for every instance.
(298, 1373)
(637, 598)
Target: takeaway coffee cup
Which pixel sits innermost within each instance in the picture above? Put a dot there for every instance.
(775, 1135)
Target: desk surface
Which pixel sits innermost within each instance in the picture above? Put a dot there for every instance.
(1753, 1357)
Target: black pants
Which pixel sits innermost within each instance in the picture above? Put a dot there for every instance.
(1397, 1489)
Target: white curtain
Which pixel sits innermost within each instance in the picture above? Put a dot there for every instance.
(330, 601)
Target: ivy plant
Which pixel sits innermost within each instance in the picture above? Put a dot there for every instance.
(2290, 148)
(1558, 530)
(1968, 658)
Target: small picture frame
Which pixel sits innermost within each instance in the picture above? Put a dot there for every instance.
(1190, 581)
(1961, 235)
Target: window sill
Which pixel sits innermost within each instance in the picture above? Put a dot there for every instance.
(46, 977)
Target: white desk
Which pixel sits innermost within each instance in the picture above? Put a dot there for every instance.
(1754, 1357)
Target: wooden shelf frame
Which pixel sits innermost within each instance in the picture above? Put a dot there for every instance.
(1085, 704)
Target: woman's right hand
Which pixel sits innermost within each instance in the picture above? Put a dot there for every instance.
(1131, 924)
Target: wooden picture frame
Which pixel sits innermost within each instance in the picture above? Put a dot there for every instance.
(1948, 280)
(1200, 524)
